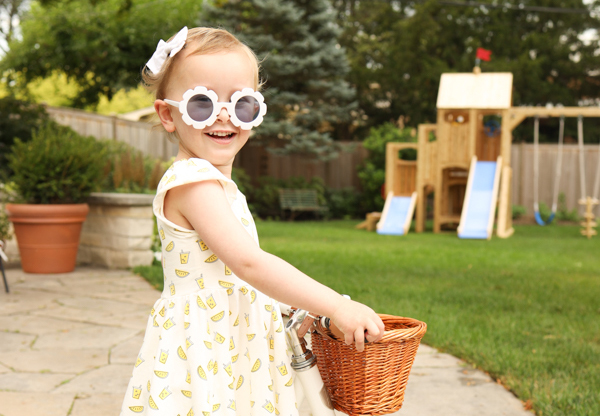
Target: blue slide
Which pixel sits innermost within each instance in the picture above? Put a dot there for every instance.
(477, 217)
(397, 214)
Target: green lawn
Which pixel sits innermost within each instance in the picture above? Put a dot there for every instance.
(525, 309)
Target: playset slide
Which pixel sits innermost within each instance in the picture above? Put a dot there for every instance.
(479, 208)
(397, 214)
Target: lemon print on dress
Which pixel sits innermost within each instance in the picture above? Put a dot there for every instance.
(186, 393)
(231, 404)
(282, 369)
(168, 324)
(139, 361)
(226, 285)
(202, 245)
(245, 222)
(164, 393)
(186, 325)
(231, 344)
(172, 289)
(219, 338)
(162, 233)
(162, 312)
(184, 256)
(269, 307)
(244, 289)
(217, 317)
(256, 365)
(151, 403)
(200, 303)
(271, 358)
(237, 321)
(208, 344)
(239, 383)
(211, 259)
(188, 378)
(137, 391)
(171, 179)
(227, 271)
(227, 368)
(164, 354)
(203, 170)
(181, 273)
(252, 296)
(280, 327)
(271, 342)
(247, 354)
(191, 412)
(171, 305)
(181, 354)
(148, 385)
(268, 406)
(211, 302)
(136, 409)
(274, 315)
(216, 407)
(232, 384)
(234, 358)
(191, 163)
(186, 310)
(170, 246)
(250, 336)
(200, 282)
(290, 382)
(201, 372)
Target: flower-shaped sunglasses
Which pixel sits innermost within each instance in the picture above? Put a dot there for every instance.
(200, 107)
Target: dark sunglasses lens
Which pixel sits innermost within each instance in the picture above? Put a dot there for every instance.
(246, 108)
(200, 107)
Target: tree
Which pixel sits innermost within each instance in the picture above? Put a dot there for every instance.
(401, 49)
(102, 45)
(10, 14)
(303, 66)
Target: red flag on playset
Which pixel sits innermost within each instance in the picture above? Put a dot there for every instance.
(484, 54)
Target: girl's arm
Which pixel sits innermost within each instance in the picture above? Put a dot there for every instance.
(204, 206)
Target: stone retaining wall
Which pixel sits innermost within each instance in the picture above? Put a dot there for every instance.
(118, 231)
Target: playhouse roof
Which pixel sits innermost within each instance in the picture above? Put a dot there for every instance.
(491, 90)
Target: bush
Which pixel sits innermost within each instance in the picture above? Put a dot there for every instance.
(518, 211)
(127, 170)
(563, 214)
(343, 203)
(18, 119)
(57, 166)
(372, 172)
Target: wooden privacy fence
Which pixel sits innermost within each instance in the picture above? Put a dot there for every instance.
(341, 172)
(138, 134)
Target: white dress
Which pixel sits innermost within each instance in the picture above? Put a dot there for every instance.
(214, 345)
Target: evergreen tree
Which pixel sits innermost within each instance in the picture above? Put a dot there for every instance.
(303, 69)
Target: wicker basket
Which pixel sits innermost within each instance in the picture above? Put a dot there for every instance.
(371, 382)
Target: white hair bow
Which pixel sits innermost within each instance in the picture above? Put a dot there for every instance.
(164, 49)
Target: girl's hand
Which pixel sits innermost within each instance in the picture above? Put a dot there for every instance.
(357, 322)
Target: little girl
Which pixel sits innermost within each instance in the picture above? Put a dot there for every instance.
(214, 343)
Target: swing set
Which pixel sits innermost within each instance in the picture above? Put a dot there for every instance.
(589, 202)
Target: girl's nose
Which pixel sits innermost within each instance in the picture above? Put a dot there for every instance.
(223, 115)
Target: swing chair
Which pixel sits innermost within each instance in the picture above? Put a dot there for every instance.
(536, 170)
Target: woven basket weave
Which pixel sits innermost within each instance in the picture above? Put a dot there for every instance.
(371, 382)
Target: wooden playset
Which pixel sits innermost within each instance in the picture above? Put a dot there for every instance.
(464, 159)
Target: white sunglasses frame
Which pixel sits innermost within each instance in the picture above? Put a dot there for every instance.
(218, 106)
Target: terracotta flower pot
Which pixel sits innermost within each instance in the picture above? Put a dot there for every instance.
(47, 235)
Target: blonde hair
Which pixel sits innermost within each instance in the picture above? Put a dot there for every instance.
(206, 41)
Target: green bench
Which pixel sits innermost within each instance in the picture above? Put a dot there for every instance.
(299, 200)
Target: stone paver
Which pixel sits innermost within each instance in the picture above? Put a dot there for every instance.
(69, 341)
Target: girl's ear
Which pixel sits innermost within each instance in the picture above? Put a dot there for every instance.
(164, 113)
